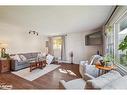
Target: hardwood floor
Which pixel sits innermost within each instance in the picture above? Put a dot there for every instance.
(49, 81)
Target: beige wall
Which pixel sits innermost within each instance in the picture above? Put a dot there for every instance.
(76, 42)
(18, 39)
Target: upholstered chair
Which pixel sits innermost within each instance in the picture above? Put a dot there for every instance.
(87, 72)
(94, 59)
(73, 84)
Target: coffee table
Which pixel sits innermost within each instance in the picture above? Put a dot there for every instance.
(37, 64)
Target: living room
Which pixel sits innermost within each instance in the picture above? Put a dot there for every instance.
(22, 37)
(63, 47)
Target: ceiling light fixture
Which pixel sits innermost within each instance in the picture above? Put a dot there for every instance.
(33, 32)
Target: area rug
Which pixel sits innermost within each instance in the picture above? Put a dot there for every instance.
(30, 76)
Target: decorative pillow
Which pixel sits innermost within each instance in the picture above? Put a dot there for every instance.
(23, 58)
(16, 57)
(49, 59)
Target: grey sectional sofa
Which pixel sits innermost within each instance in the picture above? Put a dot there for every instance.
(15, 65)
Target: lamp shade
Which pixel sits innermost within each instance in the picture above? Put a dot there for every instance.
(3, 45)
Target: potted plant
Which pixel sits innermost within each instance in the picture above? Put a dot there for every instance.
(108, 59)
(123, 47)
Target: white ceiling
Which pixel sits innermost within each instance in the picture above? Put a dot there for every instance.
(55, 20)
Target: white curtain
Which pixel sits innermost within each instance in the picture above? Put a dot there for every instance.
(50, 46)
(63, 47)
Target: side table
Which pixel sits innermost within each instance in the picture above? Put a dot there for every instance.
(104, 68)
(5, 65)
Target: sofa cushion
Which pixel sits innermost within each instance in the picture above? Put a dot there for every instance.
(103, 80)
(16, 57)
(23, 58)
(120, 83)
(22, 62)
(91, 70)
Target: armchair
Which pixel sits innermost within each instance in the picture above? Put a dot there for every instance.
(94, 59)
(73, 84)
(88, 71)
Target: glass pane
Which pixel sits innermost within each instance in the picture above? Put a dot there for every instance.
(57, 44)
(121, 35)
(110, 41)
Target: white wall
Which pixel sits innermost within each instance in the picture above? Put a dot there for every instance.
(18, 39)
(76, 42)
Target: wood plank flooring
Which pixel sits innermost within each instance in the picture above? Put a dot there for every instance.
(49, 81)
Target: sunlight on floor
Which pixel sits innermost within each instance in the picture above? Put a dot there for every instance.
(67, 72)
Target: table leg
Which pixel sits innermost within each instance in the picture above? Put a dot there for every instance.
(30, 68)
(41, 64)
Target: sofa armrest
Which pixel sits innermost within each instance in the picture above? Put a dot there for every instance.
(101, 81)
(14, 63)
(88, 76)
(62, 84)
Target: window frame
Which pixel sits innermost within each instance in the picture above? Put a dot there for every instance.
(116, 45)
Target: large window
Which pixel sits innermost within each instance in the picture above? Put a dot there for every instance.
(57, 47)
(122, 32)
(57, 42)
(116, 31)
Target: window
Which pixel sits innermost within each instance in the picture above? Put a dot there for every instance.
(121, 35)
(110, 40)
(57, 42)
(57, 47)
(115, 35)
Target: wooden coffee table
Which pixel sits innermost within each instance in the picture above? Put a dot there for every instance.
(37, 64)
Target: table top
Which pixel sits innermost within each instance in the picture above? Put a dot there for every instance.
(105, 67)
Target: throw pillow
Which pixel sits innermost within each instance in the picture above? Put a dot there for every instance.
(23, 58)
(49, 59)
(16, 57)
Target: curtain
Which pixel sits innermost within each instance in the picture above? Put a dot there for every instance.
(50, 46)
(63, 48)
